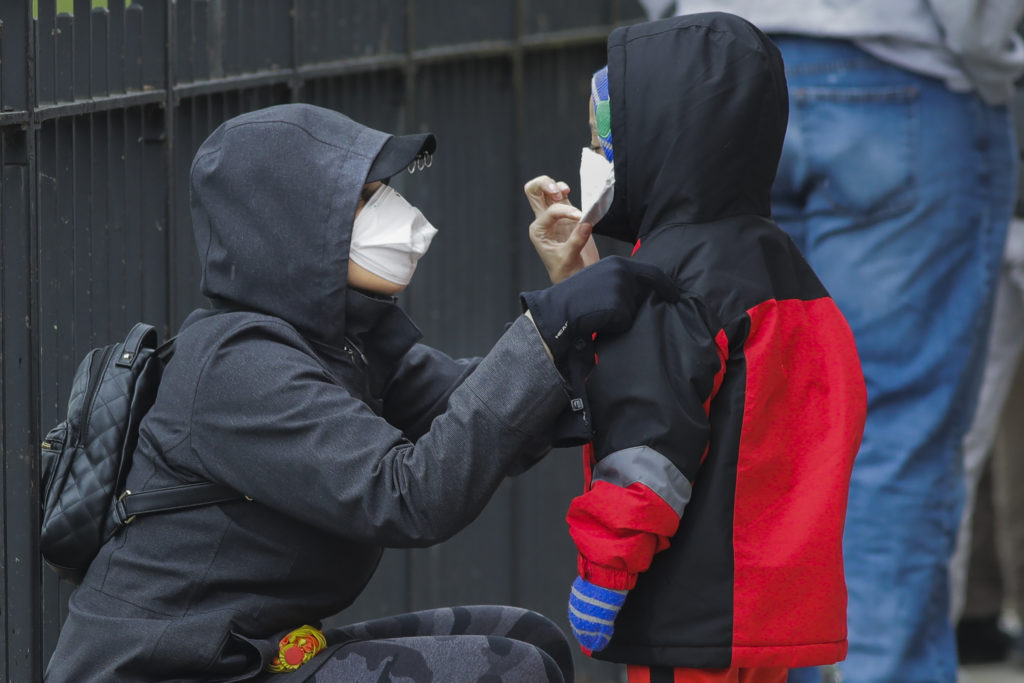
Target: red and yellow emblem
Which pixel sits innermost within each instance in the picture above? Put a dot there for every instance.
(297, 648)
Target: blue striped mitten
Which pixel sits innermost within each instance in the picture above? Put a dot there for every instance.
(592, 612)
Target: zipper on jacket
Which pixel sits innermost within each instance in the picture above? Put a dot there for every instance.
(353, 350)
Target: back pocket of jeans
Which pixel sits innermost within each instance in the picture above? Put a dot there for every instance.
(861, 147)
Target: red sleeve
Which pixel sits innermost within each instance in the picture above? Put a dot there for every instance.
(617, 531)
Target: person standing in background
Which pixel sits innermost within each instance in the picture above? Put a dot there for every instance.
(995, 572)
(897, 182)
(987, 570)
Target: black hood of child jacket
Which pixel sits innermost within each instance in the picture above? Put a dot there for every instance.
(699, 108)
(274, 195)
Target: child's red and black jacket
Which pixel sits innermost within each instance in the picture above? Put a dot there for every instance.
(725, 424)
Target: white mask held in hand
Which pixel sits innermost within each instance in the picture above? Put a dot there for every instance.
(597, 185)
(389, 236)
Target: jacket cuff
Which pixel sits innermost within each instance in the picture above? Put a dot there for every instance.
(520, 386)
(615, 579)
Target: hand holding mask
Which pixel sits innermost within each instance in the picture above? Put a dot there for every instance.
(562, 242)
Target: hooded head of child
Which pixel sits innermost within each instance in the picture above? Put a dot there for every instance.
(692, 112)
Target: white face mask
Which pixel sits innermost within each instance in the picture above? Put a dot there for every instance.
(389, 236)
(597, 185)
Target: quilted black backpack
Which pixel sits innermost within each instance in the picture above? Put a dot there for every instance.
(86, 458)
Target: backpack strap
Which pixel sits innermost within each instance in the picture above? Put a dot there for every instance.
(169, 498)
(172, 498)
(142, 335)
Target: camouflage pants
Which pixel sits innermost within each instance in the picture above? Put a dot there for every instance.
(486, 643)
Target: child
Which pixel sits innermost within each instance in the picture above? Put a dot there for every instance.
(725, 424)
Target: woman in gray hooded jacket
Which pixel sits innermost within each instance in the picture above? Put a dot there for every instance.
(304, 388)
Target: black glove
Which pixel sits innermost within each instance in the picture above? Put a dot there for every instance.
(603, 298)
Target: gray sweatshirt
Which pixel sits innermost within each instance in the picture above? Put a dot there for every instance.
(971, 45)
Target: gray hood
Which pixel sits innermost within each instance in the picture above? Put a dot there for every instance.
(273, 197)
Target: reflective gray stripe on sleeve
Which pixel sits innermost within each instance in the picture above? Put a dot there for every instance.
(644, 465)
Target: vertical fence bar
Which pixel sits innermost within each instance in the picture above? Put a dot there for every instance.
(331, 48)
(46, 50)
(169, 147)
(280, 19)
(215, 40)
(121, 315)
(232, 37)
(115, 54)
(21, 563)
(98, 160)
(183, 57)
(83, 13)
(264, 36)
(19, 388)
(248, 21)
(7, 262)
(65, 75)
(1, 65)
(306, 35)
(515, 488)
(102, 294)
(153, 226)
(155, 27)
(99, 82)
(81, 194)
(201, 37)
(136, 271)
(15, 58)
(155, 223)
(133, 18)
(261, 35)
(183, 252)
(19, 384)
(63, 246)
(51, 270)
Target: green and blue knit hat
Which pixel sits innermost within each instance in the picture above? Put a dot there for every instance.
(602, 110)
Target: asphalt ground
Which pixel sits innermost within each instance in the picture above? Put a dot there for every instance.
(992, 673)
(982, 673)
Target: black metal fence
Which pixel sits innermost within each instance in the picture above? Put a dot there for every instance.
(100, 114)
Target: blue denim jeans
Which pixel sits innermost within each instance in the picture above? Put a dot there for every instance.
(899, 193)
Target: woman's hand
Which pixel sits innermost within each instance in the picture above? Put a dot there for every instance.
(564, 246)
